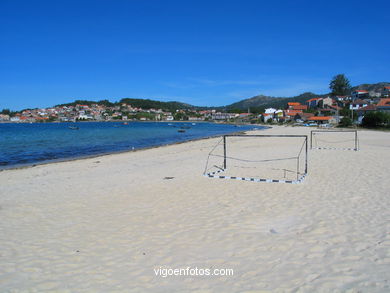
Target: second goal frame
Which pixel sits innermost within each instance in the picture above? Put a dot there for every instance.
(356, 142)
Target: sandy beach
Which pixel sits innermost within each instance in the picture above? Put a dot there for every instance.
(106, 224)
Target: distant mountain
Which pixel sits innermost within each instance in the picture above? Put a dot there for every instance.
(262, 102)
(374, 87)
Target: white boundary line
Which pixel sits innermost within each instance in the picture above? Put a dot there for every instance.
(253, 179)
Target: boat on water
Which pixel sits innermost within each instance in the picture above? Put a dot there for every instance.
(125, 123)
(193, 123)
(73, 127)
(185, 127)
(181, 130)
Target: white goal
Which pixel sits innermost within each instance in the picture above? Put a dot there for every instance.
(259, 158)
(334, 140)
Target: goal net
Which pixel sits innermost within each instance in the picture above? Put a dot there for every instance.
(334, 140)
(260, 158)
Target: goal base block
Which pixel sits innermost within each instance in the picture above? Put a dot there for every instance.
(253, 179)
(334, 149)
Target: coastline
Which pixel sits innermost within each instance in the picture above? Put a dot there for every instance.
(23, 166)
(87, 226)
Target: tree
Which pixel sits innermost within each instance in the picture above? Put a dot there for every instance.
(376, 119)
(340, 85)
(345, 112)
(345, 122)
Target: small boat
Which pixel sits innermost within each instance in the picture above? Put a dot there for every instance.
(125, 123)
(170, 124)
(185, 127)
(193, 124)
(181, 130)
(74, 127)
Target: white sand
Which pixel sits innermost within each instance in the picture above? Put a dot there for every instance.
(83, 226)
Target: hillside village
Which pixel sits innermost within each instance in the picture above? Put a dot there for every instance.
(331, 110)
(315, 111)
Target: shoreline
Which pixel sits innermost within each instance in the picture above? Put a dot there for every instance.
(54, 161)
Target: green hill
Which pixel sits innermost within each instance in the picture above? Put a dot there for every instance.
(138, 103)
(261, 102)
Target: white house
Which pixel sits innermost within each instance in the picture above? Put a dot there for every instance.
(270, 111)
(357, 104)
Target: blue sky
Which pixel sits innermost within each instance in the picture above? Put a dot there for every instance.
(200, 52)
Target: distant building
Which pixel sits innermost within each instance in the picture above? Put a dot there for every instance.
(302, 116)
(4, 117)
(244, 114)
(364, 110)
(290, 104)
(223, 116)
(386, 91)
(343, 98)
(299, 107)
(290, 114)
(194, 118)
(313, 103)
(322, 119)
(270, 111)
(325, 102)
(357, 104)
(384, 105)
(360, 94)
(268, 116)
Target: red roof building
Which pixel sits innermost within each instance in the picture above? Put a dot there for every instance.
(299, 107)
(320, 118)
(384, 102)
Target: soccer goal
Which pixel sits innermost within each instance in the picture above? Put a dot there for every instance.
(334, 140)
(259, 158)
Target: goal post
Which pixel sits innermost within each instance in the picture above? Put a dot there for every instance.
(259, 158)
(334, 140)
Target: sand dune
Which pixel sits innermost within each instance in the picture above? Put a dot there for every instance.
(104, 224)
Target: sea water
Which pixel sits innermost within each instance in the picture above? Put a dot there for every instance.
(28, 144)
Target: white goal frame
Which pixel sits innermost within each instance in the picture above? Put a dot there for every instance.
(217, 174)
(356, 140)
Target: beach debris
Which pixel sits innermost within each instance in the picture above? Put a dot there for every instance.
(168, 178)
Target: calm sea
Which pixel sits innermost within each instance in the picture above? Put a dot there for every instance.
(28, 144)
